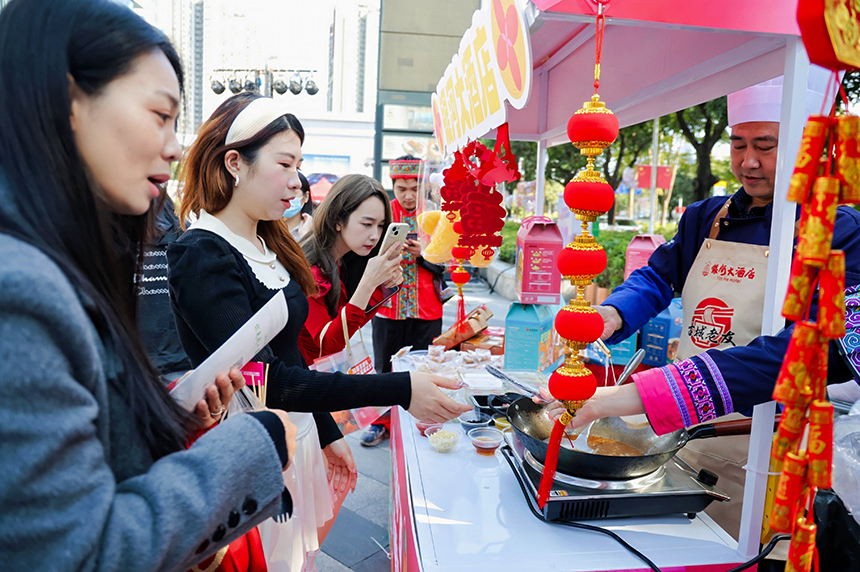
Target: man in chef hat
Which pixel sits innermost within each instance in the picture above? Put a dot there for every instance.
(718, 260)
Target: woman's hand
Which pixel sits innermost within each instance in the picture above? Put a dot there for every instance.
(383, 267)
(340, 466)
(211, 410)
(291, 431)
(607, 402)
(428, 403)
(307, 224)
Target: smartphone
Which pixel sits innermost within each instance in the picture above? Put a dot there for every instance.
(397, 232)
(387, 294)
(411, 236)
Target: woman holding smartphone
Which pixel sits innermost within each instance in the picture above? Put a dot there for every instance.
(238, 177)
(350, 272)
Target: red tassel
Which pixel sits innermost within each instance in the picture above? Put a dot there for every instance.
(461, 311)
(551, 463)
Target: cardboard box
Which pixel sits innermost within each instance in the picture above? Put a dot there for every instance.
(529, 338)
(639, 251)
(662, 334)
(475, 323)
(496, 344)
(621, 352)
(538, 280)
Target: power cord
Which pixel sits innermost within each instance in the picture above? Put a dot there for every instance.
(749, 563)
(763, 554)
(590, 527)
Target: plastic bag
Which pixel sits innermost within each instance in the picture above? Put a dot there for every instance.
(354, 359)
(244, 401)
(838, 536)
(846, 462)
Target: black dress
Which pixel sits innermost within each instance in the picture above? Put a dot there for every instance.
(213, 292)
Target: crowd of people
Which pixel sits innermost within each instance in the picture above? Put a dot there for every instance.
(107, 294)
(110, 291)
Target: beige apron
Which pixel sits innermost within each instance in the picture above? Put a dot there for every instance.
(723, 301)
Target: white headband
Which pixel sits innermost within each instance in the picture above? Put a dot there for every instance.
(253, 119)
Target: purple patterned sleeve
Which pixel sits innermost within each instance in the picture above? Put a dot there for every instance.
(718, 380)
(849, 345)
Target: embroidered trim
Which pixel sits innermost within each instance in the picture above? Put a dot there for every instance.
(698, 389)
(849, 344)
(717, 376)
(407, 297)
(676, 393)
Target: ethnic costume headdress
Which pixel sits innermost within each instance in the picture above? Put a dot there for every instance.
(405, 168)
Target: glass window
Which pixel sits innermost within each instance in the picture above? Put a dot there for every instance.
(407, 118)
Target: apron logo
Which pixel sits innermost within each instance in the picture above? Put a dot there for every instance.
(711, 324)
(734, 274)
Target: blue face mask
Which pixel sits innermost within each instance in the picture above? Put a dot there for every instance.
(295, 208)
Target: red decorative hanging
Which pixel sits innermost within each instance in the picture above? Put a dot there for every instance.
(474, 206)
(825, 176)
(591, 129)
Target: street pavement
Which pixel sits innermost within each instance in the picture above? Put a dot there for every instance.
(358, 541)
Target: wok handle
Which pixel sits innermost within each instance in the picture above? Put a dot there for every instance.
(723, 428)
(503, 398)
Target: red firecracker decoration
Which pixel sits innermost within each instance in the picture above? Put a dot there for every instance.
(825, 176)
(591, 129)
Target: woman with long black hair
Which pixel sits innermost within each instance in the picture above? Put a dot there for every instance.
(95, 468)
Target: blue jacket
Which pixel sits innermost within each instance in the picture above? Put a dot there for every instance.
(749, 371)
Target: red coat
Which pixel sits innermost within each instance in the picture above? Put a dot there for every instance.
(318, 317)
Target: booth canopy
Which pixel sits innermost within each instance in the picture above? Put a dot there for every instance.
(658, 57)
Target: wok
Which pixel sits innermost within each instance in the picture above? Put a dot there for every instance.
(533, 426)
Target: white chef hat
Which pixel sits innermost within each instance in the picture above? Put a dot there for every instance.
(763, 102)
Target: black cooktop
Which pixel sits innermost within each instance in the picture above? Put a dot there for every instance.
(672, 489)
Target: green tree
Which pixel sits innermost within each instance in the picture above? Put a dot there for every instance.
(703, 126)
(851, 85)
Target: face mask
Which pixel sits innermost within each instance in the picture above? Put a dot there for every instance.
(295, 207)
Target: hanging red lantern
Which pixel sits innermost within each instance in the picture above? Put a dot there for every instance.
(592, 128)
(570, 384)
(460, 277)
(581, 261)
(460, 252)
(579, 323)
(589, 195)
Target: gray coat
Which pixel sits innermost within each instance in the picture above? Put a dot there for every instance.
(78, 488)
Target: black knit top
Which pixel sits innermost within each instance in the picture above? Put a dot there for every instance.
(213, 292)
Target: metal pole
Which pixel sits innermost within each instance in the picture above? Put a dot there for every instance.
(630, 200)
(540, 177)
(791, 122)
(655, 150)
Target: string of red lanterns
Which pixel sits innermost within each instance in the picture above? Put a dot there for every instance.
(591, 130)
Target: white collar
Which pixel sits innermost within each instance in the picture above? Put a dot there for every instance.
(265, 265)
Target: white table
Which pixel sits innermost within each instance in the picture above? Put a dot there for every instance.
(464, 512)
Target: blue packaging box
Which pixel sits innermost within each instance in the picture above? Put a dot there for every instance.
(529, 337)
(662, 334)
